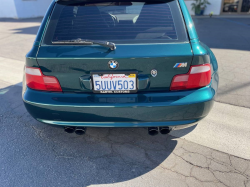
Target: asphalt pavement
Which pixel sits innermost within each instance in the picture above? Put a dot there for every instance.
(216, 152)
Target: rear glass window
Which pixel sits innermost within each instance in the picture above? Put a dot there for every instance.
(118, 22)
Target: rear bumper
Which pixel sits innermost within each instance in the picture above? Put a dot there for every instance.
(183, 108)
(174, 125)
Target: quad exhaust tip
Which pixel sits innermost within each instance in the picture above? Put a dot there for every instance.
(164, 130)
(80, 130)
(77, 130)
(155, 130)
(69, 129)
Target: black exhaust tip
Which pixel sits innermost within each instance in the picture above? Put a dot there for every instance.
(164, 130)
(80, 130)
(153, 131)
(69, 129)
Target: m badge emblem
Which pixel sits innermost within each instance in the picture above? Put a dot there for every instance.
(180, 65)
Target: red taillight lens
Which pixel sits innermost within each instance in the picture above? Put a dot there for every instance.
(197, 77)
(37, 81)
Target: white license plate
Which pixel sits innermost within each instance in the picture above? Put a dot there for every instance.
(114, 83)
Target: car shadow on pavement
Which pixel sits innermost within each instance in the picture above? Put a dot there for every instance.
(32, 150)
(26, 30)
(25, 20)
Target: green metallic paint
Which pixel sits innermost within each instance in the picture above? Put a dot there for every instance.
(198, 48)
(143, 82)
(85, 82)
(79, 61)
(202, 53)
(213, 60)
(188, 20)
(146, 107)
(154, 106)
(44, 24)
(31, 57)
(144, 99)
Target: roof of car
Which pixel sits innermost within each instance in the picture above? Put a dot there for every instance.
(113, 0)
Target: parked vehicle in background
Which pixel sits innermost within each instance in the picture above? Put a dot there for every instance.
(119, 64)
(231, 7)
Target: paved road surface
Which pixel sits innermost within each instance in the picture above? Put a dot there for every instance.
(215, 153)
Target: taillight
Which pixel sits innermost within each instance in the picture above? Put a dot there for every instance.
(197, 77)
(37, 81)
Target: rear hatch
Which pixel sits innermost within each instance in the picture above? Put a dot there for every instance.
(148, 35)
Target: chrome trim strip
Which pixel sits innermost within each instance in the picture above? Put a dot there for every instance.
(118, 124)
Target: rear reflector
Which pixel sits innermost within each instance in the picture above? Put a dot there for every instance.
(197, 77)
(37, 81)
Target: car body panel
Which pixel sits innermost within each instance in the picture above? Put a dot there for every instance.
(173, 125)
(145, 109)
(44, 24)
(110, 109)
(68, 63)
(189, 21)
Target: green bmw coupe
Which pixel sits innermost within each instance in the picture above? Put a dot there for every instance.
(119, 63)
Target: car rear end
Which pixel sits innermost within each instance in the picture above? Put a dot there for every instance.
(158, 75)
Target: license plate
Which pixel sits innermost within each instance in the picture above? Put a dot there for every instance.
(114, 83)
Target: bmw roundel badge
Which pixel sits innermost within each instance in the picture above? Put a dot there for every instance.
(113, 64)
